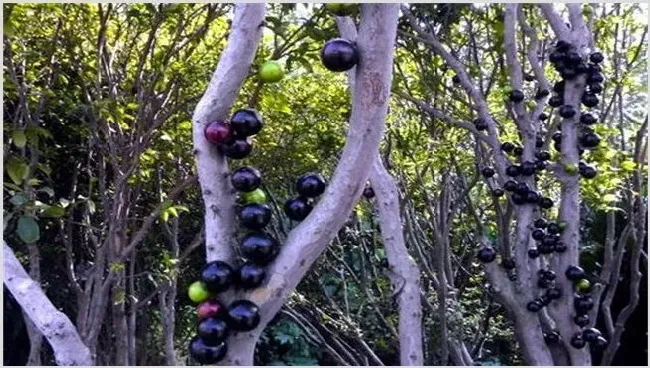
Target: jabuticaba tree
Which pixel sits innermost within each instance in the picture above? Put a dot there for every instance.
(551, 90)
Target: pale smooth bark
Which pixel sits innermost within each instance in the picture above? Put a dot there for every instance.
(55, 326)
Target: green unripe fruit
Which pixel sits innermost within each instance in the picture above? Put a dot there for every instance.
(342, 9)
(197, 292)
(571, 169)
(583, 286)
(256, 196)
(271, 72)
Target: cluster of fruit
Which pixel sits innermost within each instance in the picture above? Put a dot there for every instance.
(232, 138)
(582, 304)
(308, 186)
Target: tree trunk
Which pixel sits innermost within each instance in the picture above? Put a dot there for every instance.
(35, 336)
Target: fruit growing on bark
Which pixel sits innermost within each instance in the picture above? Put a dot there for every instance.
(255, 216)
(583, 304)
(368, 192)
(589, 100)
(590, 139)
(204, 353)
(197, 292)
(596, 57)
(259, 248)
(518, 151)
(255, 196)
(533, 253)
(498, 192)
(246, 179)
(244, 315)
(560, 247)
(508, 264)
(574, 273)
(237, 149)
(271, 72)
(537, 234)
(512, 170)
(250, 275)
(209, 309)
(218, 132)
(212, 330)
(246, 122)
(527, 168)
(595, 78)
(339, 55)
(588, 172)
(480, 124)
(487, 172)
(543, 116)
(567, 111)
(553, 228)
(507, 147)
(297, 209)
(591, 334)
(581, 320)
(577, 341)
(487, 254)
(518, 199)
(311, 185)
(516, 96)
(554, 293)
(510, 185)
(540, 223)
(217, 276)
(534, 306)
(551, 337)
(545, 203)
(556, 101)
(543, 155)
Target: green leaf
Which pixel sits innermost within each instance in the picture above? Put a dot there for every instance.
(628, 165)
(19, 138)
(53, 211)
(17, 170)
(28, 230)
(18, 200)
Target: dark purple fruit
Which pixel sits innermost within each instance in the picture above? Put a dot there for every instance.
(480, 124)
(518, 199)
(204, 353)
(250, 275)
(508, 264)
(512, 170)
(541, 94)
(487, 254)
(588, 172)
(540, 223)
(212, 330)
(311, 185)
(244, 315)
(529, 77)
(540, 165)
(567, 111)
(527, 168)
(507, 147)
(573, 57)
(518, 151)
(532, 197)
(487, 172)
(562, 45)
(238, 149)
(545, 248)
(588, 119)
(510, 185)
(543, 116)
(534, 306)
(591, 334)
(544, 284)
(554, 293)
(297, 209)
(596, 57)
(595, 78)
(217, 276)
(522, 188)
(568, 73)
(246, 179)
(577, 341)
(583, 304)
(590, 140)
(559, 87)
(543, 155)
(560, 247)
(556, 56)
(548, 275)
(498, 192)
(581, 68)
(551, 337)
(557, 137)
(556, 101)
(255, 216)
(368, 192)
(455, 79)
(574, 273)
(553, 228)
(539, 141)
(246, 122)
(595, 88)
(533, 253)
(516, 96)
(218, 132)
(546, 203)
(259, 248)
(537, 234)
(339, 55)
(550, 240)
(581, 320)
(589, 100)
(593, 68)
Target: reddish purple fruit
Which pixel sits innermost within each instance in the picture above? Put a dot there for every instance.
(218, 132)
(209, 309)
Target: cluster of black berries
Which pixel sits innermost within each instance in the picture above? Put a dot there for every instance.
(232, 137)
(546, 281)
(308, 186)
(583, 302)
(569, 63)
(547, 235)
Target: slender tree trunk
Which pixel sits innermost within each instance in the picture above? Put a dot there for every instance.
(35, 336)
(120, 324)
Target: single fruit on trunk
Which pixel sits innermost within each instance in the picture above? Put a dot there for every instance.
(339, 55)
(527, 168)
(209, 309)
(574, 273)
(518, 151)
(540, 223)
(543, 116)
(218, 132)
(508, 264)
(237, 149)
(498, 192)
(567, 111)
(255, 196)
(596, 57)
(595, 88)
(212, 330)
(487, 254)
(368, 192)
(557, 137)
(217, 276)
(455, 79)
(556, 101)
(246, 179)
(588, 172)
(581, 320)
(512, 170)
(271, 72)
(250, 275)
(516, 96)
(595, 78)
(311, 185)
(205, 353)
(518, 199)
(480, 124)
(573, 57)
(551, 337)
(560, 247)
(537, 234)
(244, 315)
(197, 292)
(510, 185)
(255, 216)
(546, 203)
(577, 341)
(533, 253)
(534, 306)
(246, 122)
(259, 248)
(297, 209)
(553, 228)
(589, 100)
(591, 334)
(583, 304)
(543, 155)
(507, 147)
(487, 172)
(590, 140)
(545, 248)
(554, 293)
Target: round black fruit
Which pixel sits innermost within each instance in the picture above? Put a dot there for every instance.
(212, 330)
(589, 100)
(595, 88)
(518, 151)
(250, 275)
(516, 96)
(246, 179)
(594, 68)
(539, 141)
(297, 209)
(590, 140)
(596, 57)
(594, 78)
(507, 147)
(244, 315)
(573, 57)
(532, 197)
(518, 199)
(498, 192)
(558, 86)
(556, 101)
(339, 55)
(255, 216)
(574, 273)
(540, 165)
(545, 248)
(549, 275)
(311, 185)
(553, 228)
(581, 320)
(480, 124)
(550, 240)
(551, 337)
(259, 248)
(546, 203)
(537, 234)
(508, 264)
(541, 93)
(368, 192)
(569, 73)
(246, 122)
(556, 56)
(544, 284)
(577, 341)
(567, 111)
(527, 168)
(590, 334)
(512, 170)
(455, 79)
(560, 247)
(534, 306)
(588, 172)
(510, 185)
(543, 116)
(533, 253)
(588, 119)
(554, 293)
(529, 77)
(557, 137)
(238, 149)
(583, 304)
(217, 276)
(487, 254)
(205, 353)
(543, 155)
(540, 223)
(488, 172)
